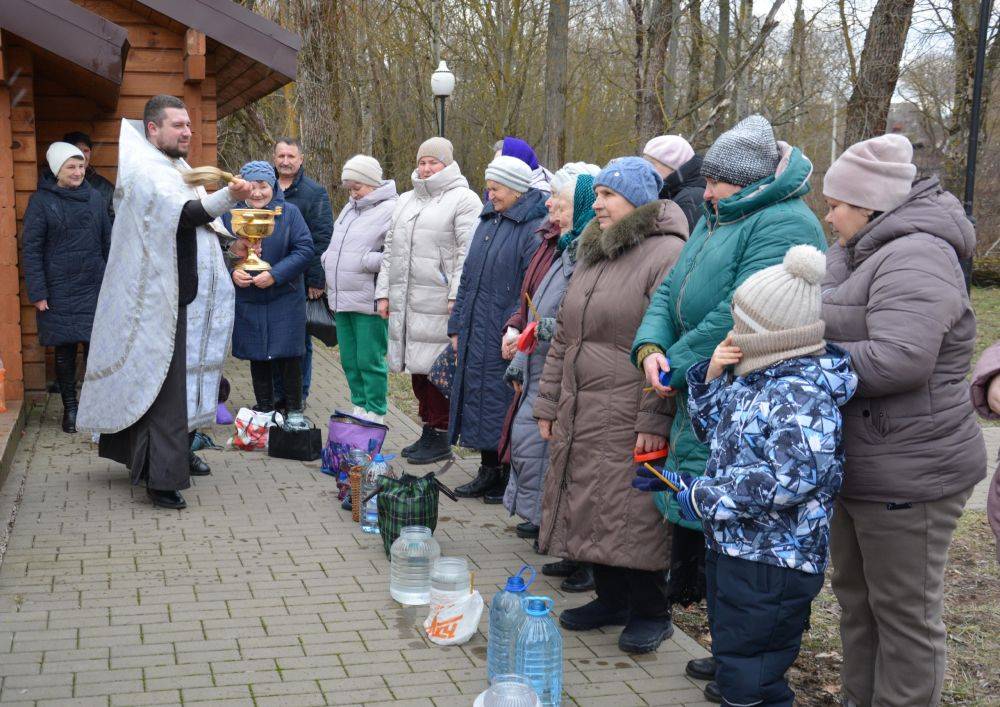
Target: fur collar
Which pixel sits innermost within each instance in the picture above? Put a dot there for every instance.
(657, 218)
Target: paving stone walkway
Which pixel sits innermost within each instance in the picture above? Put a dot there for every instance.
(262, 592)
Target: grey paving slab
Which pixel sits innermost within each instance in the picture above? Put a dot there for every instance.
(262, 592)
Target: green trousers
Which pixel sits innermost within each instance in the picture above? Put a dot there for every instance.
(363, 341)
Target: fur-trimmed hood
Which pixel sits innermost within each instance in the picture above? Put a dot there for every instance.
(657, 218)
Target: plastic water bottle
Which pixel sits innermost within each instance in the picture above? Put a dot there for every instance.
(412, 555)
(369, 484)
(506, 615)
(538, 650)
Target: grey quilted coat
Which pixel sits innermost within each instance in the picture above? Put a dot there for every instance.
(529, 453)
(895, 299)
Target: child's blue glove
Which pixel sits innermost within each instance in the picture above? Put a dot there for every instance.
(645, 480)
(686, 505)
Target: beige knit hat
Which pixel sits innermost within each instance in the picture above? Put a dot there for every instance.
(776, 311)
(875, 174)
(364, 169)
(439, 148)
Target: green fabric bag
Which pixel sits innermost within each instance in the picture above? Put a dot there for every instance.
(408, 500)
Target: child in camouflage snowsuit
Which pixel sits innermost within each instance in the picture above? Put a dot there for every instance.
(776, 465)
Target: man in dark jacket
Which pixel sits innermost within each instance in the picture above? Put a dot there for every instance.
(103, 186)
(312, 200)
(680, 168)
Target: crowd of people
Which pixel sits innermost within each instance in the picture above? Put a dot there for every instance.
(799, 403)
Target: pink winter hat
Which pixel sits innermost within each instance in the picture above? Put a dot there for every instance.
(671, 150)
(875, 174)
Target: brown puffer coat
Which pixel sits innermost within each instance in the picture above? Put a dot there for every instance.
(895, 299)
(986, 371)
(590, 511)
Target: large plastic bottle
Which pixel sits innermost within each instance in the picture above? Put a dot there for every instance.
(412, 555)
(369, 484)
(506, 615)
(538, 650)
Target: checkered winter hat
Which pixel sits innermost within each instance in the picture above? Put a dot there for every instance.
(744, 154)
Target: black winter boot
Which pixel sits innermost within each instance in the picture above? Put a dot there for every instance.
(582, 580)
(66, 378)
(644, 635)
(408, 450)
(494, 495)
(595, 614)
(486, 478)
(701, 668)
(435, 449)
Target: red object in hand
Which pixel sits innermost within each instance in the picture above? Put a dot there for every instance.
(527, 341)
(650, 456)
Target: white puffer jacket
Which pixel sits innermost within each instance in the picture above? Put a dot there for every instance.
(425, 249)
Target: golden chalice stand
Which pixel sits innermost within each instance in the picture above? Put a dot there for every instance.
(254, 225)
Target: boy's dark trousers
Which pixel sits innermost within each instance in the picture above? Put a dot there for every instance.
(757, 613)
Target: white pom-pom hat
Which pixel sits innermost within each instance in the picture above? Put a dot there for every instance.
(776, 311)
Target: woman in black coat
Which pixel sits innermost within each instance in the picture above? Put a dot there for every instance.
(67, 236)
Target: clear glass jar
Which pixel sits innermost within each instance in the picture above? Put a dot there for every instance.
(450, 580)
(412, 556)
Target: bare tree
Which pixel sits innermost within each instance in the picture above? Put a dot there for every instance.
(868, 107)
(556, 58)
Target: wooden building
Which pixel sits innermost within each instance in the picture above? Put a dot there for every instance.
(85, 64)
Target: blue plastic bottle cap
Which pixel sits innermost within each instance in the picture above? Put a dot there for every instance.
(378, 458)
(536, 606)
(515, 584)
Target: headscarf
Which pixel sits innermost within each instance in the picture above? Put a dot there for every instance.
(583, 210)
(516, 147)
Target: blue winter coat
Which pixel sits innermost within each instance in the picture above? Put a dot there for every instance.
(776, 461)
(271, 322)
(311, 199)
(487, 296)
(66, 237)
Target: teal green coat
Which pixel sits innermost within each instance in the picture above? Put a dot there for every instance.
(690, 312)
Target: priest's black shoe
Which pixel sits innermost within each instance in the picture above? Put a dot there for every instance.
(643, 634)
(562, 568)
(582, 580)
(701, 668)
(527, 530)
(494, 495)
(434, 449)
(198, 465)
(167, 499)
(69, 418)
(712, 693)
(595, 614)
(486, 478)
(412, 448)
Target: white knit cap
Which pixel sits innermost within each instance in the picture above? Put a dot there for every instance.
(875, 174)
(439, 148)
(58, 153)
(364, 169)
(566, 175)
(776, 311)
(511, 172)
(671, 150)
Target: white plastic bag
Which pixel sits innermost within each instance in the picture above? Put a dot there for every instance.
(454, 624)
(252, 429)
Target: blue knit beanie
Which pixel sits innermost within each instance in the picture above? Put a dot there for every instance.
(259, 171)
(632, 177)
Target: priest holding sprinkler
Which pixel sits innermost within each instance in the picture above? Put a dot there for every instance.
(165, 313)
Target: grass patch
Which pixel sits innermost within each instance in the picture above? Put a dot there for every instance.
(986, 302)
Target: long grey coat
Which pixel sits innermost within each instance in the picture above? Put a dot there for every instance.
(895, 299)
(529, 453)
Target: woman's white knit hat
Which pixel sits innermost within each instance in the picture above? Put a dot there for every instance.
(58, 153)
(511, 172)
(874, 174)
(776, 311)
(363, 169)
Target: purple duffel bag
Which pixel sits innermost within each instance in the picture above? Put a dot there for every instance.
(345, 433)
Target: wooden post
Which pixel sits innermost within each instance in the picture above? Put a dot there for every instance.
(194, 74)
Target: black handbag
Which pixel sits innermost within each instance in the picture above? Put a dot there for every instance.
(301, 445)
(320, 322)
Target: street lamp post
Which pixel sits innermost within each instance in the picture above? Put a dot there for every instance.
(442, 85)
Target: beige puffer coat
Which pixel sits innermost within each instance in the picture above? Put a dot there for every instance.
(590, 512)
(422, 265)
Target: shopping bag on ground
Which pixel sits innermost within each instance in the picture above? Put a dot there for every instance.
(300, 445)
(344, 433)
(408, 500)
(455, 623)
(253, 428)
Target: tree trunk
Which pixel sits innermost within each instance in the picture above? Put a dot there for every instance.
(653, 116)
(556, 58)
(743, 30)
(670, 79)
(721, 61)
(965, 17)
(878, 71)
(694, 62)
